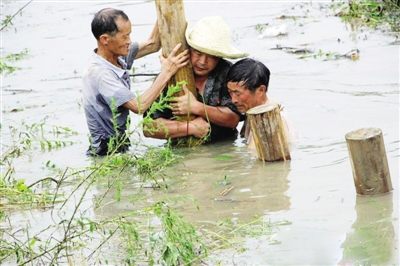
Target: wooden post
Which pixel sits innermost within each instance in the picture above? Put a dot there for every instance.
(172, 25)
(368, 161)
(268, 132)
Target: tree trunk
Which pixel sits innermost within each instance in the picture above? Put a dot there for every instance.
(172, 25)
(368, 160)
(268, 133)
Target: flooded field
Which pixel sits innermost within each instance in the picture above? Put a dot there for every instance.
(310, 201)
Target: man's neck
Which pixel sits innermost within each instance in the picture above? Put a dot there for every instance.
(200, 82)
(262, 100)
(113, 59)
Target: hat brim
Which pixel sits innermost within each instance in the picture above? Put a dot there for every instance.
(229, 52)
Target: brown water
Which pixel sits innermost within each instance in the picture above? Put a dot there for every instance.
(326, 223)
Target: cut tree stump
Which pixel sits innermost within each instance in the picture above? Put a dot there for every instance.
(172, 25)
(368, 161)
(268, 133)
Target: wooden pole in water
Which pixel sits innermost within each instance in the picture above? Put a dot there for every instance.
(172, 25)
(368, 161)
(268, 132)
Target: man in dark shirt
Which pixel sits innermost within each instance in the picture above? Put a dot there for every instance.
(209, 42)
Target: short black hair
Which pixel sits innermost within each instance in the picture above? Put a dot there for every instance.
(251, 72)
(104, 22)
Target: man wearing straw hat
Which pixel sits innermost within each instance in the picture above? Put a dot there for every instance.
(209, 43)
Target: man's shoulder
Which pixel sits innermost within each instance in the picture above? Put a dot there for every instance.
(98, 66)
(94, 69)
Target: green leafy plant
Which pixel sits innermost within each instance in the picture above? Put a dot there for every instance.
(16, 194)
(224, 181)
(8, 20)
(173, 241)
(5, 68)
(32, 137)
(180, 243)
(373, 14)
(260, 27)
(164, 103)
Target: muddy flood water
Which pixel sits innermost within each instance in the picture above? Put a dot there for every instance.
(322, 221)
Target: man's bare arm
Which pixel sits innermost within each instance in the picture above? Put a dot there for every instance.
(165, 128)
(170, 66)
(219, 115)
(152, 45)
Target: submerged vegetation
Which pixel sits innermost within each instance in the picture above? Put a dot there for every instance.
(378, 15)
(75, 232)
(5, 67)
(383, 15)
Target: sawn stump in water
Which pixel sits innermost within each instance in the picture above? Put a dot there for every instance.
(268, 132)
(368, 161)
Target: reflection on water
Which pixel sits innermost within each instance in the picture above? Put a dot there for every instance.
(373, 236)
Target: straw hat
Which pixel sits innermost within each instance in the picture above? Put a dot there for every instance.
(211, 35)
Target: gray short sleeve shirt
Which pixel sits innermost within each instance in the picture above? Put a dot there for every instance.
(107, 87)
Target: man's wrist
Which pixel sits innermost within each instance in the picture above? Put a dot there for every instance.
(197, 109)
(190, 128)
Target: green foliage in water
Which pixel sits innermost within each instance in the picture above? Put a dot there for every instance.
(374, 14)
(77, 234)
(26, 137)
(16, 194)
(223, 157)
(5, 66)
(153, 126)
(5, 23)
(178, 241)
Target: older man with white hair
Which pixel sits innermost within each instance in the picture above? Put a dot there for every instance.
(209, 43)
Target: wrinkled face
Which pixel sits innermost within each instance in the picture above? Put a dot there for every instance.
(119, 43)
(243, 98)
(202, 63)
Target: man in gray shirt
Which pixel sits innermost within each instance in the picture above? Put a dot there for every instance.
(107, 98)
